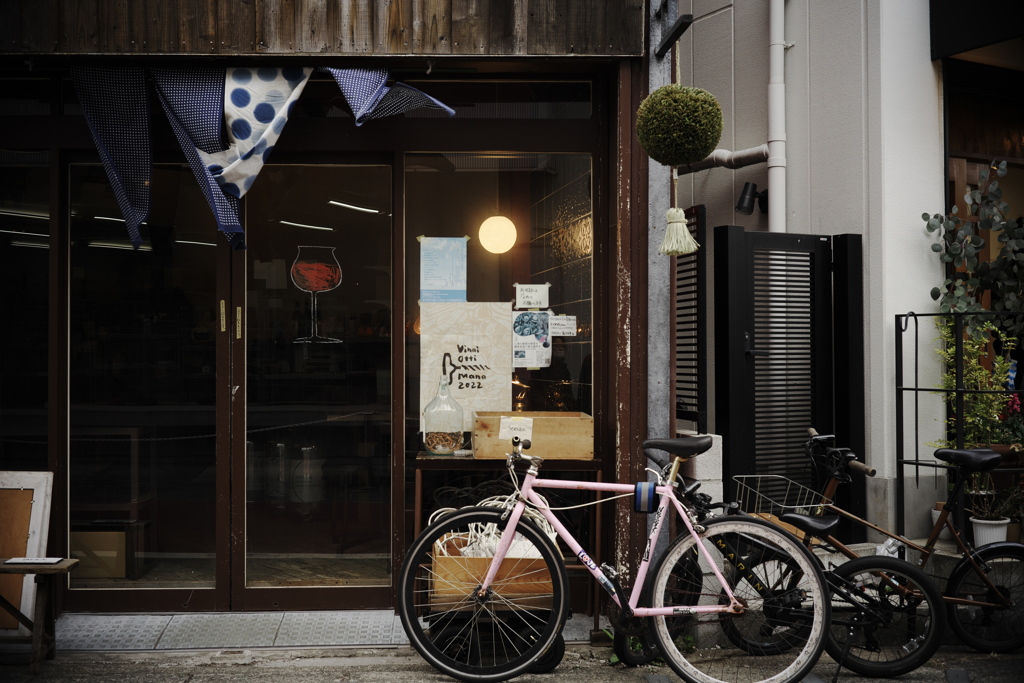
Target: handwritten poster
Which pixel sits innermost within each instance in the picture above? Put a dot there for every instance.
(532, 296)
(443, 268)
(471, 344)
(562, 325)
(531, 339)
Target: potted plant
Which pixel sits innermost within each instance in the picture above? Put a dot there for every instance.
(988, 511)
(1013, 507)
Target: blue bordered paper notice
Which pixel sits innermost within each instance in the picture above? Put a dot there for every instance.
(443, 269)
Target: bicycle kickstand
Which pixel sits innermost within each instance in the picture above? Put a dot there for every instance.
(850, 631)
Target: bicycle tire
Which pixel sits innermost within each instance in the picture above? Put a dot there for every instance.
(900, 614)
(474, 640)
(550, 660)
(989, 629)
(635, 650)
(696, 647)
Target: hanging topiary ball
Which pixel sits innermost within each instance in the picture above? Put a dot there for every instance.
(679, 125)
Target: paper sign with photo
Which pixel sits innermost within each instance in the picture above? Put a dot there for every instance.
(531, 339)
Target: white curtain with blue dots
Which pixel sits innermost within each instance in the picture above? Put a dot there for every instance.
(252, 104)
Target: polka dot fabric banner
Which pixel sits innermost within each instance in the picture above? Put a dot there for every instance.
(257, 103)
(253, 104)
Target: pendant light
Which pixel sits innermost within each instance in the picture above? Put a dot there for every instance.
(497, 233)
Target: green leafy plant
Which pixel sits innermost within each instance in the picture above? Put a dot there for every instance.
(983, 415)
(679, 125)
(961, 244)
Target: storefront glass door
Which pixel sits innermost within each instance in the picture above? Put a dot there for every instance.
(230, 410)
(318, 379)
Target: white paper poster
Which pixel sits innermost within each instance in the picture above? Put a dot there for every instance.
(443, 269)
(562, 325)
(532, 296)
(531, 339)
(471, 344)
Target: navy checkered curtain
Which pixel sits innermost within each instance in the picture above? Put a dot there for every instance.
(117, 111)
(369, 96)
(193, 100)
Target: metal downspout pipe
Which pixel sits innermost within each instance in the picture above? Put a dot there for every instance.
(774, 152)
(777, 117)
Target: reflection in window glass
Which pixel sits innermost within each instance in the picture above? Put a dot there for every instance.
(24, 278)
(142, 387)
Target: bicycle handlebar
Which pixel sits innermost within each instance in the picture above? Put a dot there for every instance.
(858, 466)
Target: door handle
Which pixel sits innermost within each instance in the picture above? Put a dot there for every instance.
(750, 350)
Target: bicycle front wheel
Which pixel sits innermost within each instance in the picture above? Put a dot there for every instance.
(995, 623)
(896, 614)
(484, 639)
(785, 605)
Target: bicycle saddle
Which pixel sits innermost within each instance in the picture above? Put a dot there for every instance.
(815, 526)
(975, 459)
(684, 447)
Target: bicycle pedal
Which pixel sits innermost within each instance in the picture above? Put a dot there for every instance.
(609, 571)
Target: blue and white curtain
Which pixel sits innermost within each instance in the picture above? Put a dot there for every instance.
(251, 104)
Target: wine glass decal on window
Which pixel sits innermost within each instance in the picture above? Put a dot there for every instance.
(315, 270)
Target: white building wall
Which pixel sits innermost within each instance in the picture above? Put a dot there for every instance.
(864, 156)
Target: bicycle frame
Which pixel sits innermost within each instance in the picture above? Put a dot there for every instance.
(927, 550)
(666, 493)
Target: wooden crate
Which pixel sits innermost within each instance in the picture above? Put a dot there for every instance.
(525, 581)
(556, 435)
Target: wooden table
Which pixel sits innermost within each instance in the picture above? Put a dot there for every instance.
(44, 637)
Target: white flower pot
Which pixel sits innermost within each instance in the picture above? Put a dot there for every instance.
(989, 530)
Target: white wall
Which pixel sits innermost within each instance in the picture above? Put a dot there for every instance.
(864, 156)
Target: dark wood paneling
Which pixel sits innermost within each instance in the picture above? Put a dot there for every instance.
(312, 30)
(159, 26)
(336, 27)
(432, 27)
(197, 26)
(236, 26)
(354, 30)
(546, 27)
(393, 27)
(275, 26)
(470, 27)
(38, 30)
(114, 25)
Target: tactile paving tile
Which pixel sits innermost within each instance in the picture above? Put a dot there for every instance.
(201, 631)
(110, 631)
(398, 636)
(362, 627)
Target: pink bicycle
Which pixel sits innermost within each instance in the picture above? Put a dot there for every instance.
(483, 590)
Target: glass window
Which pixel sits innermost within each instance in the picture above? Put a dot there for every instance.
(24, 277)
(142, 386)
(548, 198)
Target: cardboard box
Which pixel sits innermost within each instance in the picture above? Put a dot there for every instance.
(556, 435)
(101, 554)
(453, 576)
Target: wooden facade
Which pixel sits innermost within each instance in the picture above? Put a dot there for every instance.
(508, 28)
